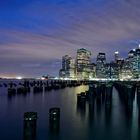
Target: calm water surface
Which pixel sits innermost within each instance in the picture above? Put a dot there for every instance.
(93, 123)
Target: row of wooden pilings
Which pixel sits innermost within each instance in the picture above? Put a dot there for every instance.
(128, 92)
(98, 92)
(102, 92)
(40, 86)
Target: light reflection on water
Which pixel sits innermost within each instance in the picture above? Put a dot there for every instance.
(95, 121)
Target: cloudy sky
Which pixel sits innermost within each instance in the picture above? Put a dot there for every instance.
(35, 34)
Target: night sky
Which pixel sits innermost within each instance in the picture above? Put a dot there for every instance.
(35, 34)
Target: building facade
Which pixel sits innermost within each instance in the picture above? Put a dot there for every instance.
(83, 61)
(68, 67)
(101, 65)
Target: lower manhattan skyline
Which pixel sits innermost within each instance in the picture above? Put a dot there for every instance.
(81, 67)
(34, 35)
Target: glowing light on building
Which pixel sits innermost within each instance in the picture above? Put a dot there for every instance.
(134, 49)
(116, 52)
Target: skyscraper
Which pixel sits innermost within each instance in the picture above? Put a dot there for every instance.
(126, 71)
(100, 66)
(112, 70)
(68, 67)
(66, 62)
(131, 59)
(83, 61)
(136, 63)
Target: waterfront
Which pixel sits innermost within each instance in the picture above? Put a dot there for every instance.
(94, 122)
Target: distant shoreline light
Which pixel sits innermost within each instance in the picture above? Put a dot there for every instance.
(19, 78)
(14, 77)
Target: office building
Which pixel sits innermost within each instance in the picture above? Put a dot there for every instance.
(83, 60)
(100, 65)
(68, 67)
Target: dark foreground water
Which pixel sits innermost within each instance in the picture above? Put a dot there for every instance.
(93, 123)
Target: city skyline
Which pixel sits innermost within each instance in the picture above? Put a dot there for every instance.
(82, 66)
(34, 35)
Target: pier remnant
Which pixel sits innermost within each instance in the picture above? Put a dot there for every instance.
(30, 119)
(54, 119)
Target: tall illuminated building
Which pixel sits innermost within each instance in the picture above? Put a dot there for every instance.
(112, 70)
(66, 62)
(83, 60)
(126, 71)
(131, 65)
(136, 63)
(101, 65)
(68, 67)
(131, 58)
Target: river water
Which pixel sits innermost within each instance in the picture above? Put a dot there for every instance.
(95, 122)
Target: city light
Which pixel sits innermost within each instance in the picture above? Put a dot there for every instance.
(134, 49)
(116, 52)
(56, 78)
(42, 78)
(19, 77)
